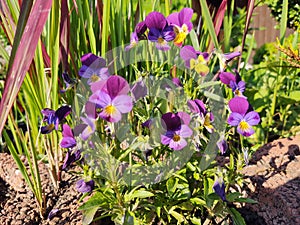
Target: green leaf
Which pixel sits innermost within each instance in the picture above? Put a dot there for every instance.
(196, 221)
(96, 200)
(236, 217)
(180, 218)
(247, 200)
(88, 215)
(140, 194)
(197, 201)
(233, 196)
(172, 185)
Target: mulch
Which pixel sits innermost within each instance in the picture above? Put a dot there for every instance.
(272, 179)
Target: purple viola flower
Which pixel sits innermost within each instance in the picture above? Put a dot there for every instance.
(242, 117)
(219, 189)
(222, 145)
(71, 157)
(85, 187)
(54, 118)
(195, 60)
(89, 129)
(225, 58)
(113, 99)
(159, 30)
(68, 140)
(177, 129)
(176, 81)
(93, 68)
(234, 82)
(137, 35)
(198, 107)
(69, 82)
(182, 24)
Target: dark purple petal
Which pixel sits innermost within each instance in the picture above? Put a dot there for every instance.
(241, 86)
(219, 189)
(230, 56)
(226, 78)
(171, 121)
(69, 159)
(85, 187)
(239, 105)
(47, 113)
(91, 59)
(234, 119)
(68, 142)
(147, 123)
(156, 20)
(116, 85)
(252, 118)
(140, 28)
(168, 33)
(167, 137)
(47, 129)
(62, 112)
(154, 34)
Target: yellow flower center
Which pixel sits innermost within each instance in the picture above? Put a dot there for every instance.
(244, 125)
(94, 78)
(160, 40)
(176, 137)
(110, 109)
(185, 29)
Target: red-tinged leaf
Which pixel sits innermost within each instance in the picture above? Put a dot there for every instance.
(7, 21)
(64, 34)
(25, 53)
(250, 8)
(46, 56)
(218, 20)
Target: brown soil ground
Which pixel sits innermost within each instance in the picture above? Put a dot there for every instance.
(273, 179)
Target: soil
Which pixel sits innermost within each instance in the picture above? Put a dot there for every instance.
(272, 178)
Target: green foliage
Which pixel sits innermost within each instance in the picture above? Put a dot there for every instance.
(293, 11)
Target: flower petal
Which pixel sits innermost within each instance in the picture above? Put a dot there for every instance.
(185, 131)
(226, 77)
(188, 52)
(185, 16)
(239, 105)
(245, 132)
(156, 20)
(100, 98)
(116, 85)
(234, 119)
(123, 103)
(112, 117)
(252, 118)
(178, 145)
(91, 59)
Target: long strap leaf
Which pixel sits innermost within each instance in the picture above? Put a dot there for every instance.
(24, 55)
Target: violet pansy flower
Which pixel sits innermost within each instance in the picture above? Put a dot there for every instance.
(159, 30)
(85, 187)
(195, 60)
(177, 129)
(181, 21)
(68, 140)
(93, 68)
(137, 35)
(71, 157)
(234, 82)
(240, 116)
(219, 189)
(69, 82)
(197, 106)
(54, 118)
(113, 99)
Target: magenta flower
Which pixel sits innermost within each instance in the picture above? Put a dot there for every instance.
(137, 35)
(68, 140)
(85, 187)
(219, 189)
(197, 106)
(93, 68)
(113, 99)
(240, 116)
(54, 118)
(159, 30)
(195, 60)
(234, 82)
(182, 24)
(177, 129)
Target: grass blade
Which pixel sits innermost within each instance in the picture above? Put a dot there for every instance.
(20, 65)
